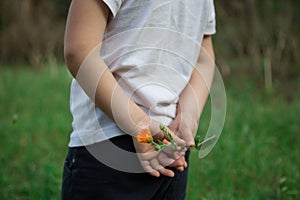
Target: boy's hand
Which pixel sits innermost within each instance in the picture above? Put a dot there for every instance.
(155, 162)
(185, 126)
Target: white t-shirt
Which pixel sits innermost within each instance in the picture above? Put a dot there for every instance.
(151, 48)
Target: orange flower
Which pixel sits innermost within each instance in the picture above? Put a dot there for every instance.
(144, 136)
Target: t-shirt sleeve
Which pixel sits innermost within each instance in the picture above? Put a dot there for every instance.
(113, 5)
(210, 28)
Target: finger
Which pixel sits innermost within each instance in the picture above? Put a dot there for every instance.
(174, 153)
(159, 136)
(167, 172)
(147, 155)
(178, 148)
(148, 168)
(179, 141)
(164, 159)
(185, 164)
(178, 163)
(165, 141)
(188, 137)
(181, 168)
(156, 165)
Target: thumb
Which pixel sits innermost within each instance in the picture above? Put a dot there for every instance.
(178, 140)
(188, 138)
(174, 126)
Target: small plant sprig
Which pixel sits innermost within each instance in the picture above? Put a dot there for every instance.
(144, 136)
(168, 135)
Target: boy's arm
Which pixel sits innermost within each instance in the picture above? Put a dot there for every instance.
(194, 96)
(84, 32)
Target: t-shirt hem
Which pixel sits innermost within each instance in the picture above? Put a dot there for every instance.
(84, 138)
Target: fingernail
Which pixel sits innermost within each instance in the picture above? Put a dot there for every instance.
(172, 174)
(191, 144)
(180, 169)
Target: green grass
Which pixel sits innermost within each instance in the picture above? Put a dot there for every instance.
(257, 156)
(34, 131)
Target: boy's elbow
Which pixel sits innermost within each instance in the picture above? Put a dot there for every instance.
(75, 54)
(72, 59)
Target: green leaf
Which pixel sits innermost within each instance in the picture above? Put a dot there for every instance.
(161, 127)
(157, 148)
(160, 142)
(197, 142)
(164, 146)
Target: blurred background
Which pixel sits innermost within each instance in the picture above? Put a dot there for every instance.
(258, 54)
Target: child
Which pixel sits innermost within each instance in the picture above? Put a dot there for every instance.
(136, 65)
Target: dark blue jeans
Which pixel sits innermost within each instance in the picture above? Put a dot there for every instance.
(84, 178)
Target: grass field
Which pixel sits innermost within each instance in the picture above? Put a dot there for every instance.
(257, 156)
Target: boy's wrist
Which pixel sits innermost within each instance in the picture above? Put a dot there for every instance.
(187, 112)
(154, 129)
(150, 124)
